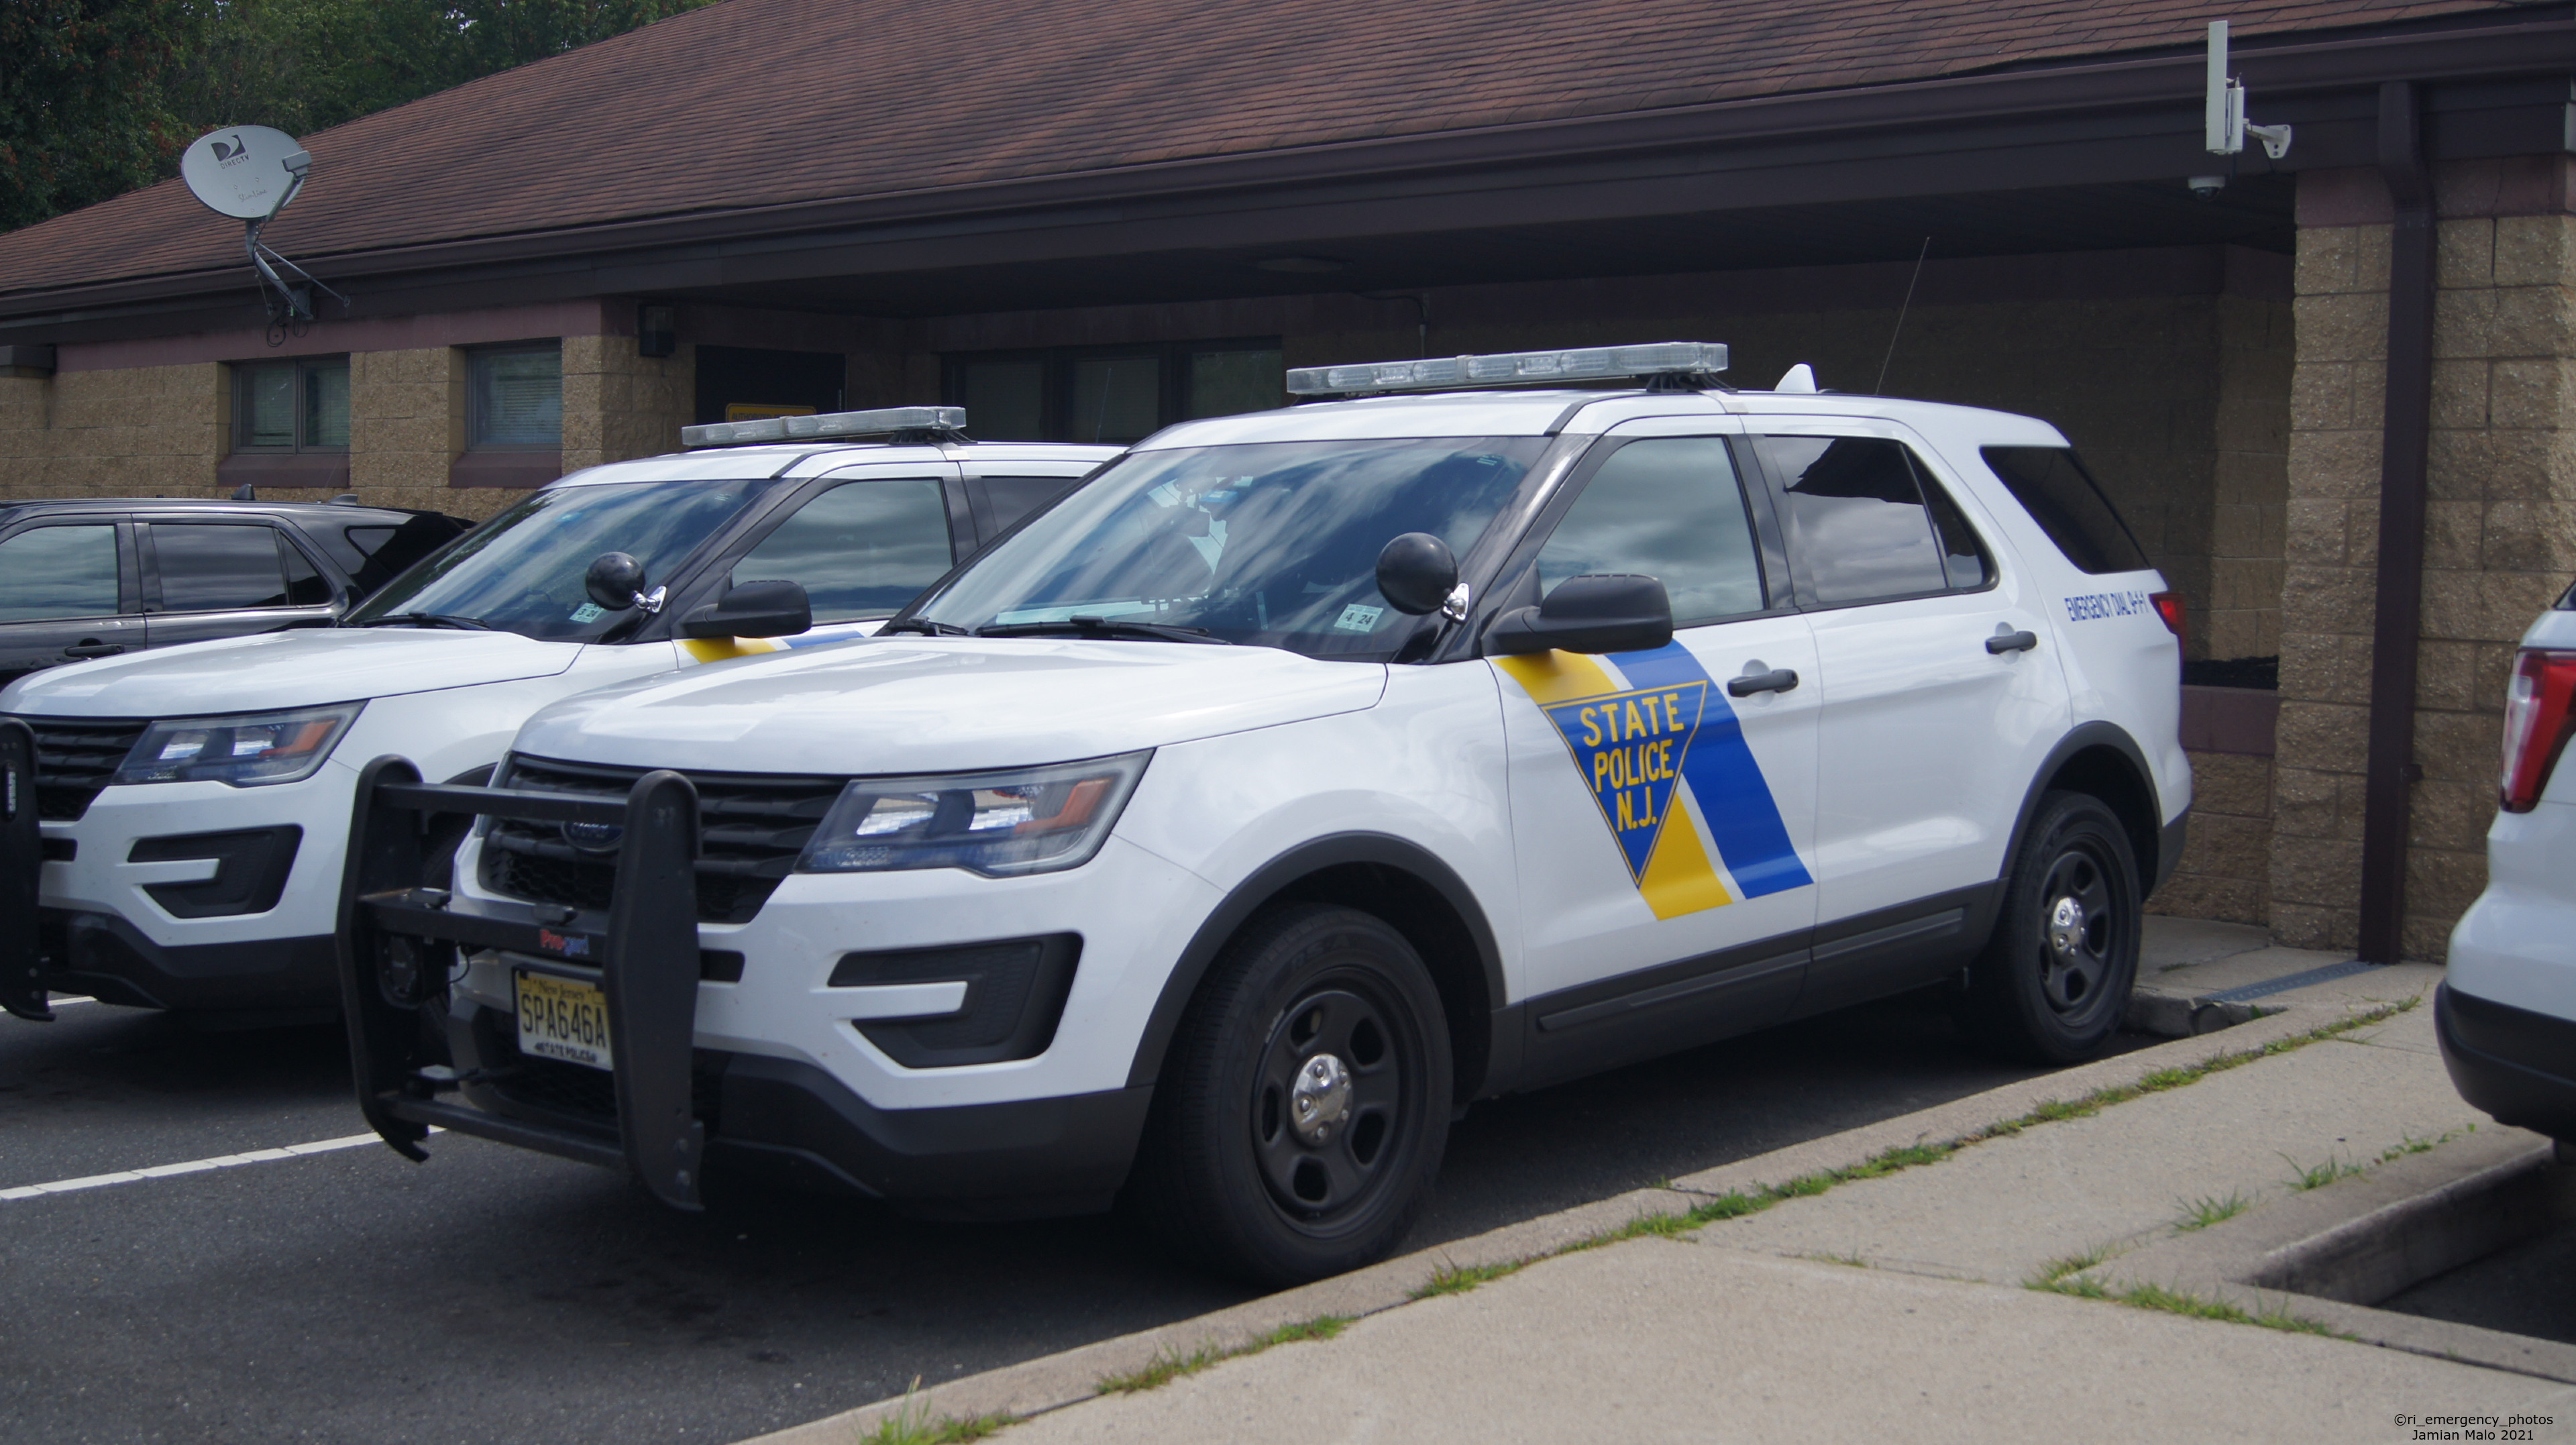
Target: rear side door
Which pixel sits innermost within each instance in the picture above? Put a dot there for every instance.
(67, 592)
(1943, 694)
(210, 579)
(861, 541)
(1663, 801)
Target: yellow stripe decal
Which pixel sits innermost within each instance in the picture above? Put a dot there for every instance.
(719, 649)
(1557, 676)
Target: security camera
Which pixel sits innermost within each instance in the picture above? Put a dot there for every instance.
(2207, 187)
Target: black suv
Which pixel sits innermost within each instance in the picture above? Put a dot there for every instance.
(93, 577)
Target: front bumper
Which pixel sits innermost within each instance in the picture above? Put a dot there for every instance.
(2517, 1065)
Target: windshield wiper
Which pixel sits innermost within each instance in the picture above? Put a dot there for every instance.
(1102, 627)
(925, 627)
(429, 619)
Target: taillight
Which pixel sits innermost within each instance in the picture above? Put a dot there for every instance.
(2169, 606)
(2537, 719)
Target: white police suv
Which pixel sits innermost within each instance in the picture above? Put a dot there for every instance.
(180, 846)
(1223, 829)
(2506, 1008)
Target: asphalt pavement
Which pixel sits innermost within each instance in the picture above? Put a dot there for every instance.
(497, 1295)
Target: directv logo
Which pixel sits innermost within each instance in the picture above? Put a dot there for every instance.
(227, 154)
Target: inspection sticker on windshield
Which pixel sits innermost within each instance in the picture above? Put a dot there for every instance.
(589, 612)
(1358, 617)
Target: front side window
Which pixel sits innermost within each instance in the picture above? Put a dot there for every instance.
(292, 406)
(66, 571)
(1274, 543)
(522, 571)
(211, 567)
(515, 398)
(862, 549)
(1671, 508)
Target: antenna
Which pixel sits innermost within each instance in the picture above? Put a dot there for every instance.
(1880, 389)
(2223, 121)
(249, 173)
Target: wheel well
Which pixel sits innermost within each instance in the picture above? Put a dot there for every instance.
(1416, 909)
(2106, 773)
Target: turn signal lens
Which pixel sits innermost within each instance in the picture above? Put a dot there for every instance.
(2537, 720)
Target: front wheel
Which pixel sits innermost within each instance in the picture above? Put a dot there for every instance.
(2055, 977)
(1303, 1109)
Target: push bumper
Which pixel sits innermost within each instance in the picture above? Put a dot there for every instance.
(2513, 1063)
(668, 1111)
(22, 990)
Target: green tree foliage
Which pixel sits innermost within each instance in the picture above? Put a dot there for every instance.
(110, 91)
(84, 112)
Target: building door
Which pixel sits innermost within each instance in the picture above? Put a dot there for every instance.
(741, 383)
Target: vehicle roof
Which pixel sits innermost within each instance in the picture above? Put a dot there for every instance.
(1547, 413)
(812, 459)
(317, 512)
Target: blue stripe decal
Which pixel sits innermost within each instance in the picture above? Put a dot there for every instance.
(1722, 773)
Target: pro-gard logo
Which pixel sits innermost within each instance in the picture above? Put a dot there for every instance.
(1631, 747)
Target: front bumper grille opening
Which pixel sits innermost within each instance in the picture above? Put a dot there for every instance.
(751, 829)
(74, 759)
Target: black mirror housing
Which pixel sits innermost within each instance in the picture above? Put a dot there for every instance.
(1596, 612)
(1415, 573)
(614, 581)
(752, 609)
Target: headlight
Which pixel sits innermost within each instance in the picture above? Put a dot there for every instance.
(1024, 820)
(245, 751)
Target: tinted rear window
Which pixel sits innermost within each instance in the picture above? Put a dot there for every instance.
(381, 553)
(2069, 506)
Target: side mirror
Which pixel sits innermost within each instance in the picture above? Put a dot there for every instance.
(614, 581)
(1597, 612)
(1415, 573)
(753, 609)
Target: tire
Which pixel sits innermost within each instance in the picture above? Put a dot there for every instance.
(1228, 1175)
(2042, 993)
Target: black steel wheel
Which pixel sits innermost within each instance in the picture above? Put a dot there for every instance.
(1301, 1113)
(2055, 976)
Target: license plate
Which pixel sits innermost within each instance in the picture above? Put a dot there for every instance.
(562, 1018)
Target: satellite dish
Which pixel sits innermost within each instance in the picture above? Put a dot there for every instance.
(247, 172)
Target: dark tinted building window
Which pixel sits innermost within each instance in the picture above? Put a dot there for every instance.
(2069, 506)
(1856, 518)
(1669, 508)
(1113, 394)
(212, 568)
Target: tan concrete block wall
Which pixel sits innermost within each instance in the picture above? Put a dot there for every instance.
(618, 404)
(2226, 866)
(2500, 543)
(145, 431)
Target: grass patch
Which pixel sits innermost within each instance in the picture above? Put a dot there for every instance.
(2317, 1176)
(2057, 1270)
(2177, 1302)
(1853, 1260)
(1172, 1363)
(913, 1424)
(2410, 1144)
(1460, 1278)
(2207, 1210)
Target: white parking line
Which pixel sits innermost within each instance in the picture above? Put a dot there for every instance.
(193, 1166)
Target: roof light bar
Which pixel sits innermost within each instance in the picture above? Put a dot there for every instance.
(1593, 363)
(829, 424)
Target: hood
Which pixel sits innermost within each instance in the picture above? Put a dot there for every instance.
(284, 669)
(933, 705)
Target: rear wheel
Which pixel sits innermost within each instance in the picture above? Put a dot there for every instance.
(2055, 977)
(1303, 1109)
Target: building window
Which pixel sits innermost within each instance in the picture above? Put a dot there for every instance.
(1112, 394)
(291, 406)
(514, 398)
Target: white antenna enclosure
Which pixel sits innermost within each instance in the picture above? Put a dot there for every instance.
(2223, 123)
(247, 172)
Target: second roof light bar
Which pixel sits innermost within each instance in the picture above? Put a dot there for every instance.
(934, 423)
(1695, 360)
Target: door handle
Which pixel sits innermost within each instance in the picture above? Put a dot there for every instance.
(2006, 640)
(1778, 679)
(92, 647)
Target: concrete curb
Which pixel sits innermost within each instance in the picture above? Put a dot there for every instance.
(1072, 1376)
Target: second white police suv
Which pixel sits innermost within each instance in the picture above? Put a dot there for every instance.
(1220, 832)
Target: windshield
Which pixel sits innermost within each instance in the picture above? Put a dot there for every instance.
(1273, 544)
(522, 571)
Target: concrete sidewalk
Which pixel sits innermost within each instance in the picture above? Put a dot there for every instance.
(1897, 1302)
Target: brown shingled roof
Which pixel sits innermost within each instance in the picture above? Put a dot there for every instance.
(758, 102)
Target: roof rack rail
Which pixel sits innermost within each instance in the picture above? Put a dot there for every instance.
(903, 425)
(1665, 365)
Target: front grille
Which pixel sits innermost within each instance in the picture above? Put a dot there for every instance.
(751, 827)
(74, 759)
